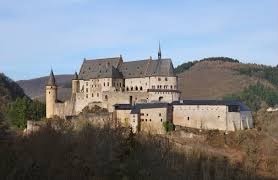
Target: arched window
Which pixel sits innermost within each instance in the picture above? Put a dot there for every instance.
(160, 98)
(171, 87)
(141, 89)
(131, 88)
(127, 89)
(136, 88)
(106, 97)
(104, 84)
(92, 94)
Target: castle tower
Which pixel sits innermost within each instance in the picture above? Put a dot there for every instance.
(51, 95)
(75, 85)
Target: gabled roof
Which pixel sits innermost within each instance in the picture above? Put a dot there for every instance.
(100, 68)
(242, 106)
(116, 68)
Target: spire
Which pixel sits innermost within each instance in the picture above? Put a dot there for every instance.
(75, 77)
(51, 80)
(159, 52)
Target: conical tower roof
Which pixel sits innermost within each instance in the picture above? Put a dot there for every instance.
(75, 77)
(159, 51)
(51, 80)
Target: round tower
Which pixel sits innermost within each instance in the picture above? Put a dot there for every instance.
(75, 85)
(51, 95)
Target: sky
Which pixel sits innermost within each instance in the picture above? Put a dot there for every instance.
(36, 35)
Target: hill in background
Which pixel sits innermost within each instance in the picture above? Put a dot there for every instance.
(215, 79)
(9, 91)
(35, 88)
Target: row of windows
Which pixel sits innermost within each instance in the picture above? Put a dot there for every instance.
(87, 96)
(165, 87)
(142, 114)
(159, 79)
(163, 92)
(146, 120)
(134, 89)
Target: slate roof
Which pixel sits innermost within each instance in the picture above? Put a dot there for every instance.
(137, 107)
(123, 106)
(242, 106)
(116, 68)
(100, 68)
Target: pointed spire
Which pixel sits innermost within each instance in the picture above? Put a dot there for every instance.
(51, 80)
(159, 51)
(75, 77)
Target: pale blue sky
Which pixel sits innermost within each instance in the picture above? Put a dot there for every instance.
(38, 34)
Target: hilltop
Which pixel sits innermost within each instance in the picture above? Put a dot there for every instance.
(214, 79)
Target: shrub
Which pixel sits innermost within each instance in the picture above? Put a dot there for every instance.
(168, 126)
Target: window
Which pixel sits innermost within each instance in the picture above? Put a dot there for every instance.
(131, 88)
(106, 97)
(92, 95)
(120, 84)
(86, 83)
(171, 87)
(161, 120)
(104, 84)
(87, 90)
(218, 117)
(136, 88)
(97, 94)
(157, 86)
(147, 114)
(86, 95)
(108, 84)
(188, 118)
(127, 89)
(159, 114)
(150, 120)
(166, 79)
(159, 79)
(141, 88)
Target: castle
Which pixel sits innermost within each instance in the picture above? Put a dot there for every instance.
(144, 95)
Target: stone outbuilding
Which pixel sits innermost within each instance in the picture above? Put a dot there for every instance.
(212, 114)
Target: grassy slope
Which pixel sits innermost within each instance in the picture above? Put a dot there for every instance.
(214, 79)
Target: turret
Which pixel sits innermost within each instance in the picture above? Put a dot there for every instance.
(75, 85)
(51, 95)
(159, 52)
